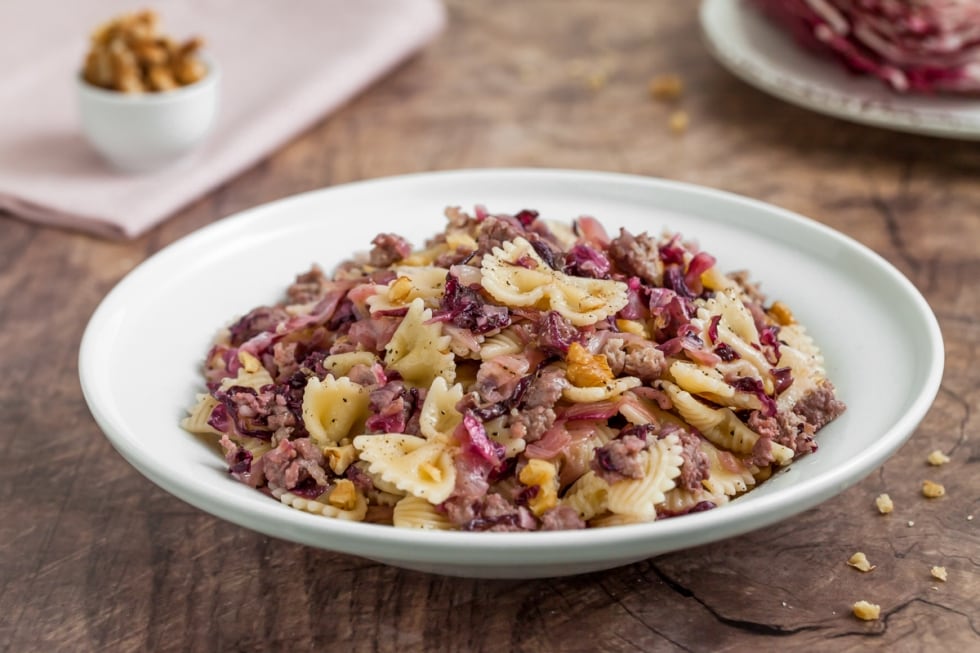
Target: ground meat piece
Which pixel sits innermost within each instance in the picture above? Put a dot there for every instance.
(820, 406)
(561, 518)
(308, 287)
(545, 389)
(762, 452)
(363, 375)
(619, 459)
(549, 253)
(259, 320)
(795, 432)
(388, 249)
(495, 513)
(392, 406)
(615, 352)
(644, 360)
(360, 478)
(696, 466)
(497, 377)
(636, 256)
(241, 463)
(293, 462)
(284, 356)
(457, 217)
(455, 257)
(495, 231)
(256, 413)
(532, 423)
(769, 431)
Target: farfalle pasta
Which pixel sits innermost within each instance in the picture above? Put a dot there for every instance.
(513, 374)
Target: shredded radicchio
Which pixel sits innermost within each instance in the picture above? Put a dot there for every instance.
(754, 386)
(476, 442)
(585, 261)
(464, 307)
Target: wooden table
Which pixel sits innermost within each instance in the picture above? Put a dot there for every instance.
(95, 557)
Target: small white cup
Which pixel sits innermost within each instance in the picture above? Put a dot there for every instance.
(145, 132)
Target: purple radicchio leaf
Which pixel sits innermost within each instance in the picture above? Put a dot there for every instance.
(754, 386)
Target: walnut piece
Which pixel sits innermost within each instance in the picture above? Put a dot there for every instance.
(866, 611)
(939, 573)
(937, 458)
(860, 562)
(678, 122)
(666, 87)
(884, 503)
(130, 55)
(932, 490)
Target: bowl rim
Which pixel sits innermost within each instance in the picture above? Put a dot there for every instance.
(206, 84)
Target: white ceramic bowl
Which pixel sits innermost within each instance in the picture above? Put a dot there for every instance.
(141, 356)
(144, 132)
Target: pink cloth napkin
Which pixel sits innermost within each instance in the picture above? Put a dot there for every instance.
(284, 66)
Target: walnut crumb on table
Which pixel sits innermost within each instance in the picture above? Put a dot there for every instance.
(932, 490)
(884, 503)
(666, 87)
(866, 611)
(937, 458)
(860, 562)
(678, 122)
(939, 573)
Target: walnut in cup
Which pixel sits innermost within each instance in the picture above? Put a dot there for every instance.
(129, 54)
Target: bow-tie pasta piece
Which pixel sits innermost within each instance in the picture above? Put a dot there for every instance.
(588, 496)
(340, 364)
(412, 464)
(332, 407)
(412, 512)
(250, 375)
(720, 425)
(422, 282)
(515, 275)
(198, 416)
(418, 351)
(709, 384)
(679, 501)
(800, 354)
(604, 392)
(726, 474)
(638, 497)
(355, 510)
(439, 417)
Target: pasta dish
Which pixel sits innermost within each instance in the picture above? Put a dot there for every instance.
(515, 374)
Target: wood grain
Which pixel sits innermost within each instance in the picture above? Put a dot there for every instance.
(93, 557)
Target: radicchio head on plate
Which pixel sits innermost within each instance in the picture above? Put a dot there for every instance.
(914, 47)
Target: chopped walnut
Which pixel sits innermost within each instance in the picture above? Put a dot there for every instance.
(129, 54)
(343, 496)
(866, 611)
(666, 87)
(939, 573)
(860, 562)
(937, 458)
(884, 503)
(781, 313)
(932, 490)
(678, 122)
(587, 370)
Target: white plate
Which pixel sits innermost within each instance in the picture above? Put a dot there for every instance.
(142, 350)
(755, 50)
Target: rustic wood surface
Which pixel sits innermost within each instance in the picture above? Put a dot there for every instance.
(94, 557)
